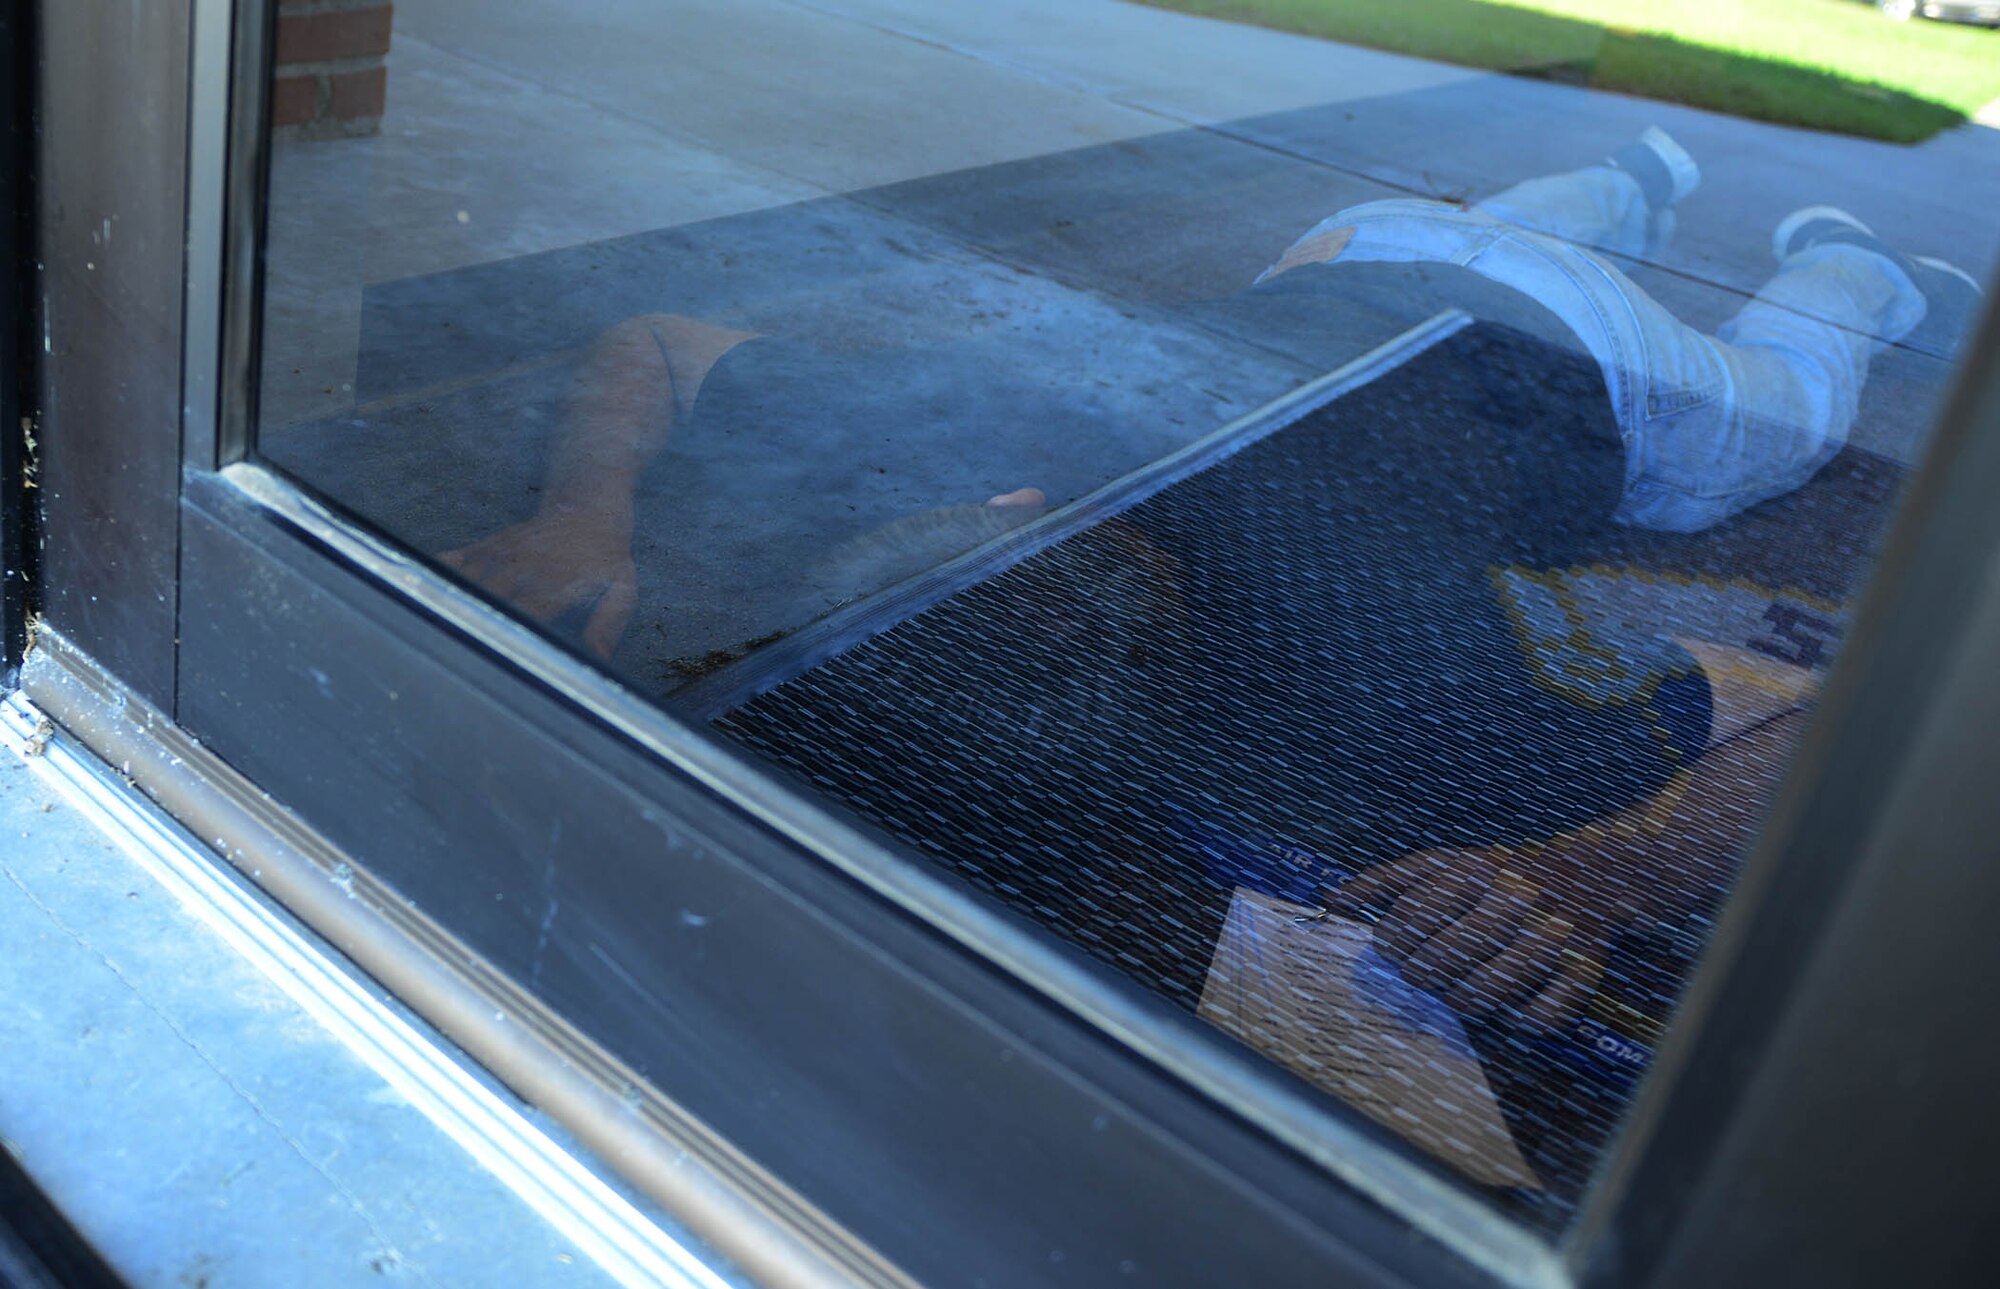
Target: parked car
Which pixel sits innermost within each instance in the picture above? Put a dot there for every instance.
(1984, 13)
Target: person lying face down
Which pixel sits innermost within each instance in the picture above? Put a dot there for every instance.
(1690, 430)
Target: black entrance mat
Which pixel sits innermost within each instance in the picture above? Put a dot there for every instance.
(1323, 642)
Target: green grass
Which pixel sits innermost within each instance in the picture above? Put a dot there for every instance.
(1826, 64)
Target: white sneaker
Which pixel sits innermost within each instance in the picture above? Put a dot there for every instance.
(1665, 171)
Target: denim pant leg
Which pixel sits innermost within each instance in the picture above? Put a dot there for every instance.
(1669, 387)
(1599, 206)
(1800, 350)
(1797, 357)
(1712, 425)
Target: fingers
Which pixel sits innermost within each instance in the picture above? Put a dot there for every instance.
(549, 573)
(1520, 968)
(483, 563)
(1429, 906)
(614, 611)
(1578, 974)
(1485, 938)
(1381, 886)
(546, 598)
(524, 588)
(1484, 930)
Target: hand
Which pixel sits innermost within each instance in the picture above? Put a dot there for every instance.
(1516, 934)
(560, 561)
(1524, 931)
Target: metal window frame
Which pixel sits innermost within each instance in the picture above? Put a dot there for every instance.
(1876, 863)
(1242, 1134)
(18, 350)
(39, 1248)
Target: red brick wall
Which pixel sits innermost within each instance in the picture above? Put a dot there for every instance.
(329, 79)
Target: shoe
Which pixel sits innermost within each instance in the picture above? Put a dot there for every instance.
(1811, 226)
(1955, 302)
(1667, 176)
(1952, 297)
(1666, 173)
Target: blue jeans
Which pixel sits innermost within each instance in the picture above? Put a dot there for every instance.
(1711, 424)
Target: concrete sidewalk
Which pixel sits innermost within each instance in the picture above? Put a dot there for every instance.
(1057, 181)
(773, 84)
(512, 129)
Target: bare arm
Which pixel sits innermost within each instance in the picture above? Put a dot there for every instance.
(575, 552)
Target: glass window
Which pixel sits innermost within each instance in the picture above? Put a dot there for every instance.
(1339, 512)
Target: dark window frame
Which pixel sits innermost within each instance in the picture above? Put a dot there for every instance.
(1119, 1152)
(19, 352)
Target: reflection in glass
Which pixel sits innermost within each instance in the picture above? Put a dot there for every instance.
(1377, 632)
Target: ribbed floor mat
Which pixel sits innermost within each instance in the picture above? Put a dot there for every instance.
(1329, 646)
